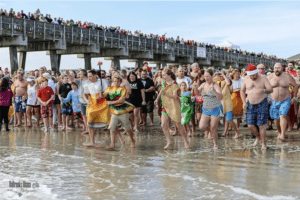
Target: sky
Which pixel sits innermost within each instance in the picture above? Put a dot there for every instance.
(268, 27)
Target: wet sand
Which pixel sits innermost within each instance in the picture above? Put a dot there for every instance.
(64, 169)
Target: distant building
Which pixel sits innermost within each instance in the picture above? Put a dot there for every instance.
(294, 58)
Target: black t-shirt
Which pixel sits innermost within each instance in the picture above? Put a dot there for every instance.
(64, 89)
(136, 87)
(147, 84)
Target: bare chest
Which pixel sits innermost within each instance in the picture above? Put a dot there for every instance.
(279, 82)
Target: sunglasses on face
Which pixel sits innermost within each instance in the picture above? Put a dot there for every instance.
(261, 68)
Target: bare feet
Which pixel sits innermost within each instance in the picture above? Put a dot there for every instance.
(281, 137)
(216, 147)
(209, 136)
(263, 147)
(84, 132)
(97, 145)
(132, 144)
(168, 144)
(29, 125)
(143, 124)
(224, 134)
(68, 128)
(151, 124)
(256, 141)
(237, 134)
(111, 147)
(17, 125)
(173, 133)
(278, 136)
(186, 144)
(189, 133)
(46, 130)
(63, 128)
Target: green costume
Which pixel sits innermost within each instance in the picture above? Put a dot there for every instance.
(187, 107)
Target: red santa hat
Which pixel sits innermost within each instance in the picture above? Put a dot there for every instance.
(251, 70)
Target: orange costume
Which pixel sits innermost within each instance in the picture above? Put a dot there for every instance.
(98, 112)
(237, 103)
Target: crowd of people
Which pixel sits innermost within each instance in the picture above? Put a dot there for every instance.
(186, 97)
(37, 15)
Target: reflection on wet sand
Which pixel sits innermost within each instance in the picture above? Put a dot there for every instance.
(65, 169)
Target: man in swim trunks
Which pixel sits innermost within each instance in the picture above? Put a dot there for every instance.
(256, 106)
(281, 98)
(20, 94)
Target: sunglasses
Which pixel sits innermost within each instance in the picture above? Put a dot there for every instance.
(261, 68)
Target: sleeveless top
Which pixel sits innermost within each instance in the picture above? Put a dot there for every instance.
(31, 95)
(210, 100)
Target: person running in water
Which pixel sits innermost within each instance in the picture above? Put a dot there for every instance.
(281, 98)
(257, 87)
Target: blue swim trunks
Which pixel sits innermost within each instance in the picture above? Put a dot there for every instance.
(66, 109)
(20, 106)
(257, 114)
(214, 113)
(228, 115)
(280, 108)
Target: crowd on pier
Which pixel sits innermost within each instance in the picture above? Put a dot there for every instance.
(122, 101)
(37, 15)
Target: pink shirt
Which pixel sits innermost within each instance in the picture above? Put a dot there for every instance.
(5, 97)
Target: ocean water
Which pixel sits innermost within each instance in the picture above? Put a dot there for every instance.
(58, 166)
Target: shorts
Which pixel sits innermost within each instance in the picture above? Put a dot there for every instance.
(228, 116)
(77, 115)
(148, 108)
(280, 108)
(136, 102)
(269, 116)
(257, 114)
(198, 107)
(116, 119)
(83, 109)
(66, 109)
(56, 100)
(34, 106)
(212, 113)
(20, 106)
(46, 111)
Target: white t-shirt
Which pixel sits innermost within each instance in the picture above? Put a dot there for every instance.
(185, 79)
(94, 88)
